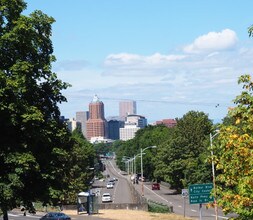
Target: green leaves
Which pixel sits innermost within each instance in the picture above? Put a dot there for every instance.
(182, 159)
(235, 153)
(35, 144)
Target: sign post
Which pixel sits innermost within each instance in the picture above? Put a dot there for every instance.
(184, 195)
(200, 194)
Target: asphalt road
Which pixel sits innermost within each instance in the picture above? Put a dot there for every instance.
(120, 192)
(165, 196)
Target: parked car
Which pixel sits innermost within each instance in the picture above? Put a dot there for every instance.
(55, 216)
(106, 197)
(109, 185)
(155, 186)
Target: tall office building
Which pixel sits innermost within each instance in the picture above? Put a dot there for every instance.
(113, 128)
(96, 124)
(132, 124)
(82, 117)
(127, 108)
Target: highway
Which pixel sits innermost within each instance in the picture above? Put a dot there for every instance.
(121, 192)
(166, 196)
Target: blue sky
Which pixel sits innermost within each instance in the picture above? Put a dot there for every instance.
(169, 56)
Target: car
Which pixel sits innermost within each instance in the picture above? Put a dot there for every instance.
(106, 197)
(142, 179)
(109, 185)
(115, 179)
(55, 216)
(155, 186)
(112, 181)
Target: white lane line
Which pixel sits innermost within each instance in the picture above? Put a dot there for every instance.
(157, 195)
(193, 210)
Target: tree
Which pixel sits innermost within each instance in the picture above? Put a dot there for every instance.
(235, 153)
(148, 136)
(34, 142)
(80, 168)
(181, 160)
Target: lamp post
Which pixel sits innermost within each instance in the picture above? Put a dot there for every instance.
(213, 172)
(127, 160)
(142, 186)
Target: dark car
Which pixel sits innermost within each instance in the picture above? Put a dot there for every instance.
(55, 216)
(155, 186)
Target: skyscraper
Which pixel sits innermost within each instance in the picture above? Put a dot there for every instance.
(96, 124)
(82, 117)
(127, 108)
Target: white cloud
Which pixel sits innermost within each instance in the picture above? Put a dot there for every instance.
(213, 41)
(193, 80)
(134, 59)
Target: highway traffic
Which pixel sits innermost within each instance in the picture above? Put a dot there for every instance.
(121, 194)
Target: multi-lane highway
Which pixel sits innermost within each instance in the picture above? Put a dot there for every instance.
(181, 206)
(121, 192)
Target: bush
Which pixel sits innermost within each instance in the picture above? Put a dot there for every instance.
(158, 207)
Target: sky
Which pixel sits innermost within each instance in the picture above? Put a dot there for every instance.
(170, 56)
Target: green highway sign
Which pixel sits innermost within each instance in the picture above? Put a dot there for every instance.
(200, 193)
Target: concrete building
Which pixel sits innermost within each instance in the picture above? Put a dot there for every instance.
(132, 124)
(127, 108)
(73, 124)
(96, 124)
(82, 117)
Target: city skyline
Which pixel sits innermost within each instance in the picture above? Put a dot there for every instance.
(171, 57)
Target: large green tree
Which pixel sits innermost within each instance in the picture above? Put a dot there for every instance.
(181, 160)
(234, 155)
(34, 142)
(148, 136)
(80, 168)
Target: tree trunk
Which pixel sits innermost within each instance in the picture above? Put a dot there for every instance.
(5, 215)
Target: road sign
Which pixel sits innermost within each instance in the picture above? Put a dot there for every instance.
(185, 192)
(200, 193)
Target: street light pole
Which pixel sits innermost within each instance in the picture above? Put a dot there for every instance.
(213, 172)
(142, 186)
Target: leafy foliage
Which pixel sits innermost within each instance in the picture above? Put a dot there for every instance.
(38, 157)
(234, 161)
(181, 160)
(149, 136)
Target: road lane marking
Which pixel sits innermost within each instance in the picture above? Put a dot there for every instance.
(157, 195)
(193, 210)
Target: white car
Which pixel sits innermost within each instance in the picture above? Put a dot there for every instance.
(106, 197)
(109, 185)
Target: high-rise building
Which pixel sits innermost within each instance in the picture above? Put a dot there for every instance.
(96, 124)
(82, 117)
(132, 124)
(113, 128)
(127, 108)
